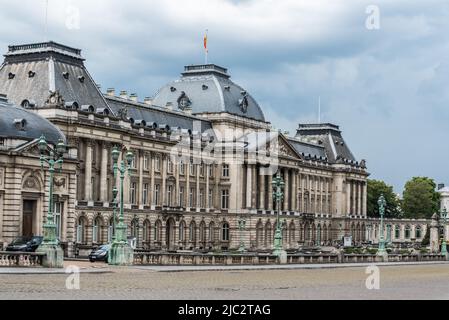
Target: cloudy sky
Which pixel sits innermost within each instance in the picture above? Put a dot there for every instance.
(386, 87)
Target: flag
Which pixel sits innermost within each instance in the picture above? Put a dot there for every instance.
(205, 41)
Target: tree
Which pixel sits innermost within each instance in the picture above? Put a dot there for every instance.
(420, 198)
(375, 189)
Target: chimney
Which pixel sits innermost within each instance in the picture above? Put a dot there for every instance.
(188, 110)
(110, 92)
(133, 97)
(123, 94)
(147, 100)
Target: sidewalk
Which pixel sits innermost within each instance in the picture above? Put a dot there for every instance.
(281, 267)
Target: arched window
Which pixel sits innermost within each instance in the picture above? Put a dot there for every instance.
(135, 229)
(418, 232)
(96, 230)
(225, 232)
(192, 231)
(397, 232)
(268, 229)
(81, 230)
(291, 233)
(259, 234)
(318, 235)
(212, 232)
(202, 232)
(182, 231)
(146, 230)
(407, 232)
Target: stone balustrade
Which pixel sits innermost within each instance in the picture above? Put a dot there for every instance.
(163, 258)
(20, 259)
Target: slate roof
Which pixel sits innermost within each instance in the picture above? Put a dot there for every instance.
(210, 91)
(308, 149)
(34, 127)
(55, 67)
(152, 114)
(328, 136)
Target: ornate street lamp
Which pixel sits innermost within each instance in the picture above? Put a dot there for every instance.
(278, 186)
(54, 257)
(121, 252)
(242, 224)
(382, 203)
(443, 216)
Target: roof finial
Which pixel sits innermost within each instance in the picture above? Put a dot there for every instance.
(46, 20)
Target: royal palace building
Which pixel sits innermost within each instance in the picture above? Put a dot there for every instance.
(204, 158)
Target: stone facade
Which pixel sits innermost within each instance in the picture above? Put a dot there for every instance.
(204, 157)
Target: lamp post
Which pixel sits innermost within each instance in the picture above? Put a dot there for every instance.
(54, 257)
(121, 252)
(278, 186)
(242, 224)
(443, 216)
(382, 203)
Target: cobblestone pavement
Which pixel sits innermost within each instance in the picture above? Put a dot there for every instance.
(396, 282)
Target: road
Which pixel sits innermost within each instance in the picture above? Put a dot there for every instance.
(429, 281)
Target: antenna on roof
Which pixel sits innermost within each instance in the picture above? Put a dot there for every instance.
(319, 109)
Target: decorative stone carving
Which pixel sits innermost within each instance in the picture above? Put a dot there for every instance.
(54, 99)
(31, 182)
(123, 114)
(60, 182)
(183, 101)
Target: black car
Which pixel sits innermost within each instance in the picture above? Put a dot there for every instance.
(100, 254)
(25, 244)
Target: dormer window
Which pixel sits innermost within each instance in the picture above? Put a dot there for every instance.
(172, 89)
(11, 76)
(31, 74)
(205, 87)
(65, 75)
(81, 79)
(20, 124)
(26, 104)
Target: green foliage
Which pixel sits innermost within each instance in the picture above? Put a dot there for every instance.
(420, 199)
(375, 189)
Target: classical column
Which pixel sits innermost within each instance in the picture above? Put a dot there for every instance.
(216, 189)
(253, 186)
(348, 197)
(164, 179)
(285, 206)
(328, 209)
(187, 191)
(270, 192)
(359, 198)
(176, 167)
(354, 202)
(140, 192)
(364, 194)
(88, 171)
(207, 166)
(197, 193)
(104, 172)
(262, 191)
(152, 179)
(248, 185)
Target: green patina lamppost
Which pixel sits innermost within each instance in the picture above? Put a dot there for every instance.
(242, 224)
(54, 257)
(121, 252)
(278, 186)
(382, 203)
(443, 216)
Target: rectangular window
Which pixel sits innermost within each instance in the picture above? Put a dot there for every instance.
(169, 195)
(202, 169)
(209, 204)
(132, 193)
(225, 199)
(192, 169)
(145, 162)
(182, 168)
(201, 198)
(210, 168)
(170, 166)
(191, 197)
(157, 163)
(181, 196)
(145, 194)
(58, 209)
(2, 141)
(225, 170)
(133, 162)
(156, 194)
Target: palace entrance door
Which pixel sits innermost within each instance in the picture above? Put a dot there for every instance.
(28, 216)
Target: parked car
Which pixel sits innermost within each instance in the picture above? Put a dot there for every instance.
(25, 244)
(100, 254)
